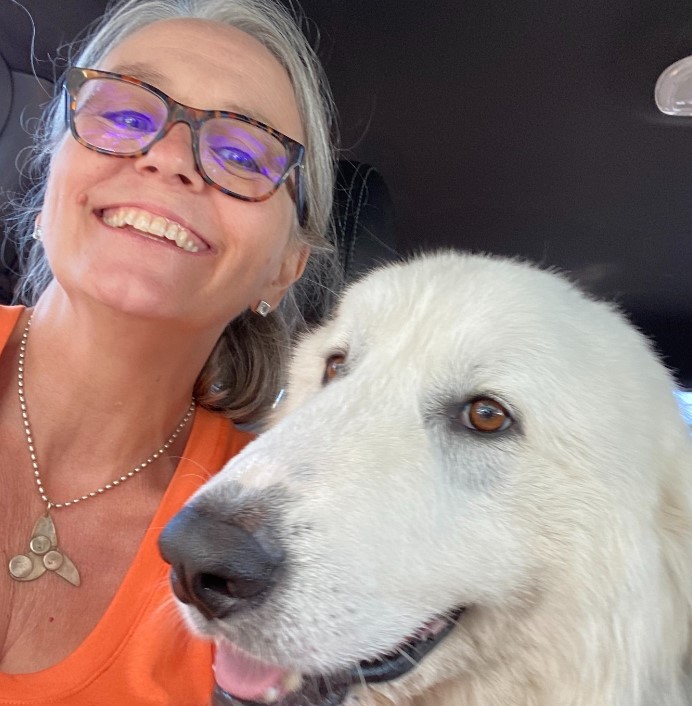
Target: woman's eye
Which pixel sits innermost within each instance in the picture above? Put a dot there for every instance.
(131, 120)
(236, 158)
(485, 415)
(335, 366)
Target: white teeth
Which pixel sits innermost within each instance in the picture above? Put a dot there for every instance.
(151, 224)
(158, 226)
(292, 681)
(271, 695)
(142, 221)
(171, 231)
(116, 220)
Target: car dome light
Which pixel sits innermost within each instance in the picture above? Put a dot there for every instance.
(673, 92)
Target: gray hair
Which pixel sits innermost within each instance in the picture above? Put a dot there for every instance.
(244, 372)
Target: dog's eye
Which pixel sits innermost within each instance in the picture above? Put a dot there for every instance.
(335, 366)
(485, 415)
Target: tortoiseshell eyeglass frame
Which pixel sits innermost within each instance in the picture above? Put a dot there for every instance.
(194, 117)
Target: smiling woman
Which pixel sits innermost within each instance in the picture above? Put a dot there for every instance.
(185, 172)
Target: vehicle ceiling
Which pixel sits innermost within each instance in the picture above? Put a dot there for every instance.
(523, 128)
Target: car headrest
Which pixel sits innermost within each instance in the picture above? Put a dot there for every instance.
(363, 233)
(363, 218)
(22, 96)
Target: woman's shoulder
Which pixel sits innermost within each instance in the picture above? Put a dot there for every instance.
(217, 436)
(9, 314)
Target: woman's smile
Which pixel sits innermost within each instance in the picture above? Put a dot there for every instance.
(151, 224)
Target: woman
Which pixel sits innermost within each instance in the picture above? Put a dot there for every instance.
(118, 379)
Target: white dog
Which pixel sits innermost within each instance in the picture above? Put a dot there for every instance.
(477, 493)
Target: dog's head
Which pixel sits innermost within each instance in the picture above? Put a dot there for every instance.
(477, 470)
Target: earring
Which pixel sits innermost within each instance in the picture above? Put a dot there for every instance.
(38, 233)
(263, 308)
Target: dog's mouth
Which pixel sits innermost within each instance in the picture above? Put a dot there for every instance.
(243, 680)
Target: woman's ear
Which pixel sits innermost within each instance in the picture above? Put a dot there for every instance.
(289, 272)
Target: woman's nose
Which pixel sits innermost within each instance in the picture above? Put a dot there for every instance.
(216, 565)
(172, 158)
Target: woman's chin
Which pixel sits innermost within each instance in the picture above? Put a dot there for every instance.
(126, 295)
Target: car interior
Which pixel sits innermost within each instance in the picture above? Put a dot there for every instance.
(533, 129)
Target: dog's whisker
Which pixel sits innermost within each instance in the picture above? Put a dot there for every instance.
(361, 676)
(453, 619)
(405, 654)
(328, 683)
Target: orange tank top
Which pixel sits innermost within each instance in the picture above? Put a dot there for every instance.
(139, 653)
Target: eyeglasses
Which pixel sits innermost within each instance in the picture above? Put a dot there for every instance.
(123, 116)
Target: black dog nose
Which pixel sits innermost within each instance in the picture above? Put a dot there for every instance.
(215, 564)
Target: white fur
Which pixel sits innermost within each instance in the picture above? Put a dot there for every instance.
(569, 537)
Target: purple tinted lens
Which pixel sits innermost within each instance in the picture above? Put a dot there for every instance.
(242, 157)
(119, 117)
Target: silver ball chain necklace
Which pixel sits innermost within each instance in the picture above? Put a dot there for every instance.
(44, 553)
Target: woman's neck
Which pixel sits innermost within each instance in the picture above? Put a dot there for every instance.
(102, 385)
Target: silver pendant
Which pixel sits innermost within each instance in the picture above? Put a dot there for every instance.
(43, 556)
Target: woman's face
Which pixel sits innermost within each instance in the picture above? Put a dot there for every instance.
(245, 252)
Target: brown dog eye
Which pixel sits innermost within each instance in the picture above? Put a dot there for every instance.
(334, 367)
(485, 415)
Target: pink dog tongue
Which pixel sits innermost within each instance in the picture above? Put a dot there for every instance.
(243, 676)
